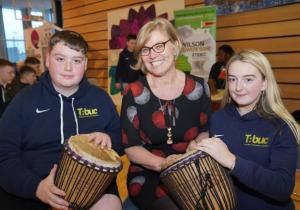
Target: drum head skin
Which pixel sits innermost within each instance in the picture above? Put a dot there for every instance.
(92, 153)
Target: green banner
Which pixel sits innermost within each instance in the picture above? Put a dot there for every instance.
(197, 28)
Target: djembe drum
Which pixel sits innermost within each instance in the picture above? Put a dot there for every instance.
(198, 182)
(85, 171)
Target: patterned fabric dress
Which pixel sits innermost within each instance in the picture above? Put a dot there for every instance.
(145, 119)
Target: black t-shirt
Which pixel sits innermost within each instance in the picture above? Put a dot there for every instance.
(14, 89)
(124, 73)
(214, 74)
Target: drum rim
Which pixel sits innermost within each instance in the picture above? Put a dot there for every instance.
(89, 164)
(182, 162)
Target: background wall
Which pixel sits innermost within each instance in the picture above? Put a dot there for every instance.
(273, 31)
(276, 33)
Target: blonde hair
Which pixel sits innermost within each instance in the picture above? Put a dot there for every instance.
(164, 26)
(270, 104)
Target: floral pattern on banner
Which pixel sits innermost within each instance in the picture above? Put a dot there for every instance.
(234, 6)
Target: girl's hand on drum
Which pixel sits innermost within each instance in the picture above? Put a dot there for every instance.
(193, 144)
(50, 194)
(100, 139)
(218, 150)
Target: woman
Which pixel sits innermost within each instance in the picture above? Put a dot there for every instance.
(258, 135)
(161, 113)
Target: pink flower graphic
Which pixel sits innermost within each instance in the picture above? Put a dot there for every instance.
(132, 25)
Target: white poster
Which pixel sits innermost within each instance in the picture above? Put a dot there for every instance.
(36, 42)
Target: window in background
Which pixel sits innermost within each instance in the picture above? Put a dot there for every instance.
(14, 44)
(36, 24)
(14, 37)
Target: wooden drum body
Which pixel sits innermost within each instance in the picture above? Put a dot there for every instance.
(196, 181)
(85, 171)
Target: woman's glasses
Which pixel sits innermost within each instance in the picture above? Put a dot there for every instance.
(158, 48)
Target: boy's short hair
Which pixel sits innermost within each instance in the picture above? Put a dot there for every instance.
(26, 69)
(131, 36)
(70, 39)
(32, 60)
(4, 62)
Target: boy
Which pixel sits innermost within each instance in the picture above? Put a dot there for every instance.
(42, 117)
(7, 74)
(34, 63)
(125, 73)
(27, 77)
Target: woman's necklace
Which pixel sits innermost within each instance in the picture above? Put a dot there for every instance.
(168, 110)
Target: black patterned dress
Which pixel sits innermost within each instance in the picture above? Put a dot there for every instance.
(145, 119)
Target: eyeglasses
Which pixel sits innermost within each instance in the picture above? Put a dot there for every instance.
(158, 48)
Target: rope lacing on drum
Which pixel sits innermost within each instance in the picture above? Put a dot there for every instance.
(206, 182)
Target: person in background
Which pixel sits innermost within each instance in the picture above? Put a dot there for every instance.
(161, 114)
(216, 78)
(125, 72)
(18, 66)
(258, 136)
(27, 77)
(7, 74)
(42, 117)
(34, 63)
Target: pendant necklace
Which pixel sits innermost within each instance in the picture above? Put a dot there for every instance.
(168, 110)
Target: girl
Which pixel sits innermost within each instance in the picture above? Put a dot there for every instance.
(258, 135)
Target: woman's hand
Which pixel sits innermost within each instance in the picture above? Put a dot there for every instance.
(100, 139)
(140, 155)
(50, 194)
(218, 150)
(168, 161)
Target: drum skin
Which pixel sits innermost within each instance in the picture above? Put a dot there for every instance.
(197, 182)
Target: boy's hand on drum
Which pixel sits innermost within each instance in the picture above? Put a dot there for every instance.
(100, 139)
(50, 194)
(218, 150)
